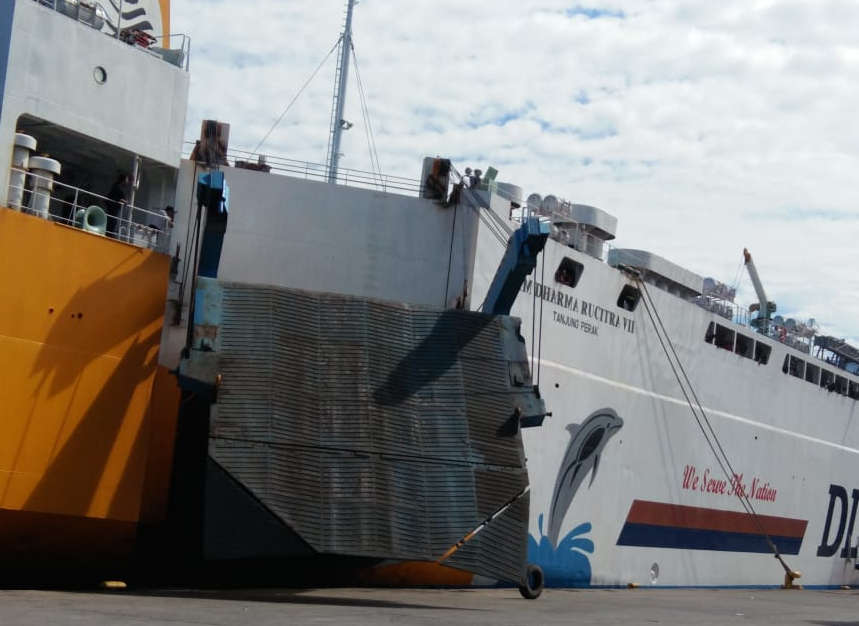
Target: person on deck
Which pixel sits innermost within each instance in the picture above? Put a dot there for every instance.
(116, 202)
(163, 218)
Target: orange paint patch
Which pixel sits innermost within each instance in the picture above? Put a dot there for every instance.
(415, 574)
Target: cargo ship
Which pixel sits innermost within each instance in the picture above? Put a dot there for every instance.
(692, 441)
(223, 369)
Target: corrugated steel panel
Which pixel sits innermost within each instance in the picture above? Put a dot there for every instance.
(370, 428)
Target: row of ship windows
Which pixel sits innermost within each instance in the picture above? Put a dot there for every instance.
(817, 375)
(738, 343)
(570, 272)
(747, 347)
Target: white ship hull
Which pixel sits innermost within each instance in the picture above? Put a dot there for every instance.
(650, 504)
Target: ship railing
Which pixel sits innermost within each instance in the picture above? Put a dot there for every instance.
(743, 317)
(73, 206)
(724, 308)
(174, 48)
(242, 159)
(567, 231)
(92, 14)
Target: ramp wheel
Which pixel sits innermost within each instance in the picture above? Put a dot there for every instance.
(532, 587)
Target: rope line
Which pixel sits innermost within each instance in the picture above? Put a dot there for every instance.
(540, 320)
(712, 439)
(300, 91)
(375, 166)
(449, 260)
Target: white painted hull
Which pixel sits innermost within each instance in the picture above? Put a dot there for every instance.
(794, 444)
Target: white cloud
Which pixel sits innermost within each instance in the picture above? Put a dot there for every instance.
(705, 127)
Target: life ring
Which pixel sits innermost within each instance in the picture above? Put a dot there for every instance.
(532, 586)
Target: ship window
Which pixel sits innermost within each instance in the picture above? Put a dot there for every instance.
(569, 272)
(710, 335)
(724, 338)
(827, 380)
(853, 390)
(841, 385)
(796, 367)
(628, 298)
(762, 352)
(744, 346)
(812, 373)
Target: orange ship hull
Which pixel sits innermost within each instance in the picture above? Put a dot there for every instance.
(80, 325)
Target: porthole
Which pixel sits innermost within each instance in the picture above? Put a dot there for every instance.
(99, 74)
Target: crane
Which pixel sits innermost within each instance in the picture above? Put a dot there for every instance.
(518, 261)
(763, 306)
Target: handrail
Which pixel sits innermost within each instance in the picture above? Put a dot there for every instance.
(180, 55)
(243, 159)
(95, 18)
(134, 225)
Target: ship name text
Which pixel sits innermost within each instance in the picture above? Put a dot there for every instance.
(831, 541)
(578, 314)
(717, 484)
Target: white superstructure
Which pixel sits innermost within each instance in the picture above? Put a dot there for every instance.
(97, 103)
(631, 353)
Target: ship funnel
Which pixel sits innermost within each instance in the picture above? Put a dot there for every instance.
(24, 146)
(42, 170)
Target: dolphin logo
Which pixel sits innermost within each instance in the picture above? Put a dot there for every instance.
(587, 441)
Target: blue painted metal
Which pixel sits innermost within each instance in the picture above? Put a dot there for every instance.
(200, 374)
(7, 12)
(211, 188)
(212, 195)
(519, 260)
(650, 536)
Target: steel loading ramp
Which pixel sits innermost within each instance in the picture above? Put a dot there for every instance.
(366, 428)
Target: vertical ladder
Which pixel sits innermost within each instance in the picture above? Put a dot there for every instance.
(339, 102)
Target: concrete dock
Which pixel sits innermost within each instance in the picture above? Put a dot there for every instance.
(489, 607)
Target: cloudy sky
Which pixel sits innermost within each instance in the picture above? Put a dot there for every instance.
(704, 126)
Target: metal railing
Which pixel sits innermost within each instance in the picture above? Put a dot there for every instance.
(71, 206)
(178, 55)
(316, 171)
(92, 14)
(568, 232)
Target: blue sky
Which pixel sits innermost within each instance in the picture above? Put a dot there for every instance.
(704, 127)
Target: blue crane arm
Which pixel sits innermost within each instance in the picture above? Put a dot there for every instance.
(521, 257)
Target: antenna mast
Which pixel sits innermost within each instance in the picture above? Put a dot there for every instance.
(338, 124)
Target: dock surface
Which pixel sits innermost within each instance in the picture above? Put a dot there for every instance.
(436, 607)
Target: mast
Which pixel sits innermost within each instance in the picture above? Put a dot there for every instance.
(338, 124)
